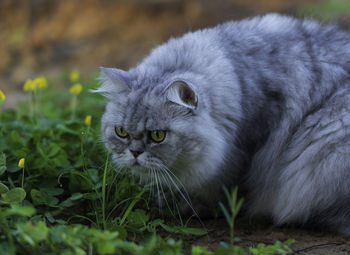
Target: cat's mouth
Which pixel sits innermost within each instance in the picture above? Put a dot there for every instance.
(136, 163)
(141, 168)
(139, 163)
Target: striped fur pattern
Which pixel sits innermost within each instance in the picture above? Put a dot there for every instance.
(263, 103)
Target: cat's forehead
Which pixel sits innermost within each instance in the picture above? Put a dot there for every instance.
(140, 118)
(140, 110)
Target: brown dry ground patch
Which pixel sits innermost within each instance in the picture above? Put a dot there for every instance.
(310, 242)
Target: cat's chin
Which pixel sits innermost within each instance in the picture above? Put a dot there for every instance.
(145, 174)
(138, 170)
(141, 172)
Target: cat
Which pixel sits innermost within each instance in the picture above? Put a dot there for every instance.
(262, 104)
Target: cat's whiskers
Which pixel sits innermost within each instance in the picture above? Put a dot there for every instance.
(100, 139)
(158, 174)
(150, 173)
(173, 182)
(171, 193)
(158, 191)
(118, 169)
(161, 178)
(168, 171)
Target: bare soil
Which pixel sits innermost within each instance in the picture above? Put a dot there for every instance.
(306, 241)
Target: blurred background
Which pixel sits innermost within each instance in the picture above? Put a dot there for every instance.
(53, 37)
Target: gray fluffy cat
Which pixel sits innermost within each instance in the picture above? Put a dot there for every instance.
(263, 103)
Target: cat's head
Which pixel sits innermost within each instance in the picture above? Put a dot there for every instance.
(164, 116)
(155, 124)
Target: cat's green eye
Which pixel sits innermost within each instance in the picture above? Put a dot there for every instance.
(157, 136)
(121, 132)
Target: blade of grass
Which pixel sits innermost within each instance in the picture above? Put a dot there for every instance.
(234, 209)
(132, 204)
(104, 192)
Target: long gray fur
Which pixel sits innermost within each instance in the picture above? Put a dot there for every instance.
(272, 116)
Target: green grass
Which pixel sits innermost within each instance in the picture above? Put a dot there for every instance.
(69, 199)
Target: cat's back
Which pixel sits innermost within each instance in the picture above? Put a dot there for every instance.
(275, 36)
(276, 27)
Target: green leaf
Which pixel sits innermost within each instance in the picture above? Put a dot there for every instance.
(53, 150)
(13, 168)
(183, 230)
(7, 248)
(138, 217)
(122, 233)
(2, 170)
(33, 232)
(15, 195)
(76, 196)
(15, 137)
(53, 191)
(49, 217)
(15, 209)
(226, 214)
(104, 241)
(289, 242)
(3, 188)
(132, 204)
(45, 196)
(194, 231)
(36, 196)
(105, 248)
(2, 163)
(65, 129)
(199, 250)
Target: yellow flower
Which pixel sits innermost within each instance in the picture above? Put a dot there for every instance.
(87, 120)
(74, 76)
(29, 85)
(40, 82)
(76, 89)
(2, 96)
(21, 163)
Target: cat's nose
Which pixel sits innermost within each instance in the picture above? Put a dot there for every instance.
(136, 153)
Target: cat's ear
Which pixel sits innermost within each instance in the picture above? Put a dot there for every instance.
(181, 93)
(112, 80)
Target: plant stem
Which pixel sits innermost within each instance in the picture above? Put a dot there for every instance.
(104, 193)
(74, 106)
(31, 105)
(22, 177)
(35, 104)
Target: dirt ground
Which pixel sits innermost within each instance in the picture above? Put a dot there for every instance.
(306, 241)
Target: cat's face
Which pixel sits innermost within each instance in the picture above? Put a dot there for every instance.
(149, 129)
